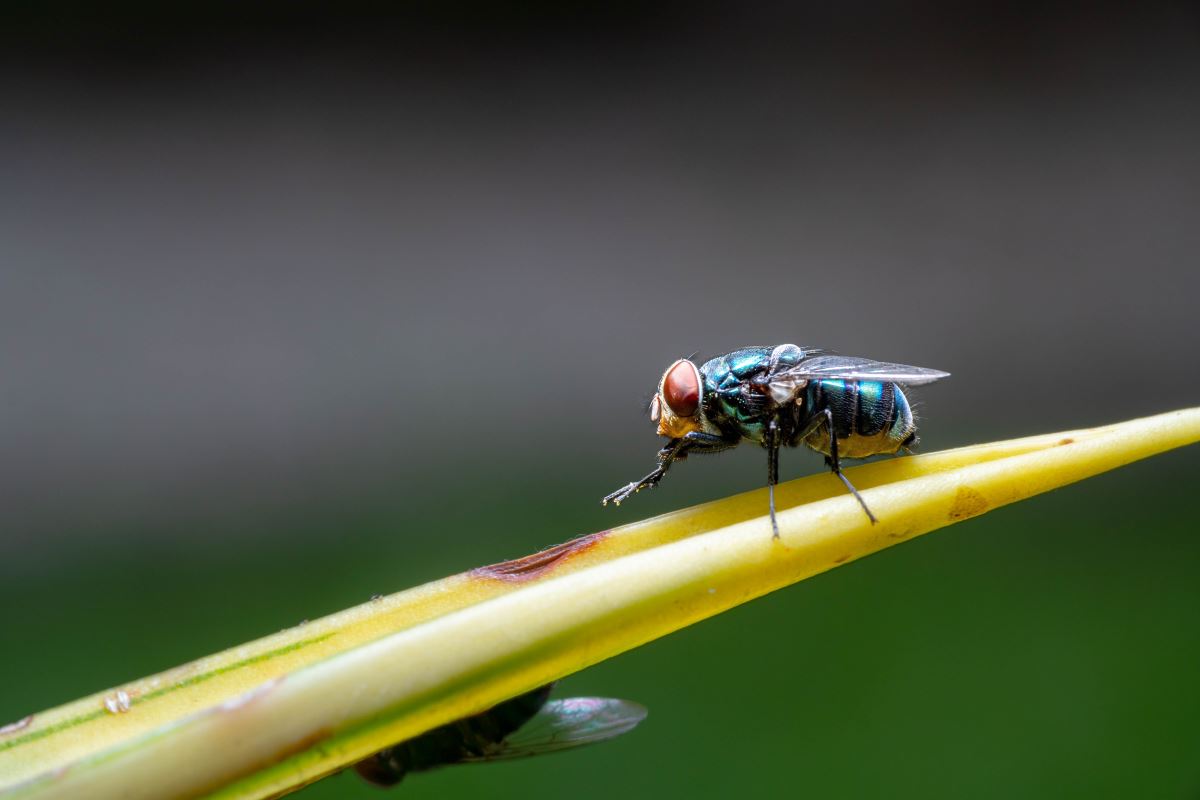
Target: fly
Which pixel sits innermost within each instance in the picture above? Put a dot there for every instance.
(527, 725)
(840, 406)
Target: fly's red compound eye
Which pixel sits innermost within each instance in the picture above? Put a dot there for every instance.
(681, 388)
(655, 409)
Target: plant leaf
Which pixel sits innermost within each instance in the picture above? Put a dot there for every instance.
(267, 717)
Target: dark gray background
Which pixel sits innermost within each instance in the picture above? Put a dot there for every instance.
(243, 265)
(301, 305)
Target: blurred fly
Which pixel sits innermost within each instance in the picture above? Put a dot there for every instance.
(527, 725)
(785, 395)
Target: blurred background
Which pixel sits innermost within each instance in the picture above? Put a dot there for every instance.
(297, 307)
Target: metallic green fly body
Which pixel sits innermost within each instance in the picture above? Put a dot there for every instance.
(783, 395)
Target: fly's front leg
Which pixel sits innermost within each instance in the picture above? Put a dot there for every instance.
(836, 466)
(665, 456)
(696, 441)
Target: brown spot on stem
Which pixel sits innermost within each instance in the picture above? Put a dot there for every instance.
(1067, 440)
(968, 503)
(841, 559)
(533, 566)
(19, 725)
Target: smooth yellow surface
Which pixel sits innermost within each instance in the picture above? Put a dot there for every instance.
(271, 715)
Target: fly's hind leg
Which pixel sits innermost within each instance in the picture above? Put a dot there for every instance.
(836, 466)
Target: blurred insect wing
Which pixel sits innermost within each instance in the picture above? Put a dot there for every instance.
(566, 723)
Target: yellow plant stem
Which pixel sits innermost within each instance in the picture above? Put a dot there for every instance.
(276, 718)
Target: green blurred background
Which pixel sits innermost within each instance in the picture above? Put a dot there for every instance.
(299, 307)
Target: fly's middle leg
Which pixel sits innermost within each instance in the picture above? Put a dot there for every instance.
(772, 444)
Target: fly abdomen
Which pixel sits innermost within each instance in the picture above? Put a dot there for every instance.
(842, 399)
(869, 417)
(903, 430)
(876, 407)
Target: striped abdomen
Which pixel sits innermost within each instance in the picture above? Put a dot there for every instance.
(869, 417)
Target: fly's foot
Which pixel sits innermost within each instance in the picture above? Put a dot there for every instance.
(627, 491)
(624, 493)
(665, 456)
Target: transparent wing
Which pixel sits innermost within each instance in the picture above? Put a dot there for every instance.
(566, 723)
(857, 369)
